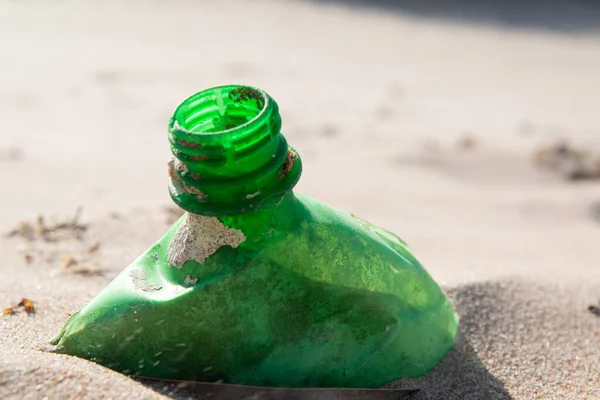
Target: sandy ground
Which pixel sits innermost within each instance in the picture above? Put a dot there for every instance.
(376, 102)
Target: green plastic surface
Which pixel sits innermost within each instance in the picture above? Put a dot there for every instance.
(308, 296)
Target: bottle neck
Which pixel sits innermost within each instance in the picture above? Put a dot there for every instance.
(229, 154)
(268, 223)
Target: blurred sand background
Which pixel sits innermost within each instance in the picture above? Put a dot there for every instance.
(420, 118)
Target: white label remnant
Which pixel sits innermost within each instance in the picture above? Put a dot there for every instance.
(140, 282)
(199, 237)
(189, 282)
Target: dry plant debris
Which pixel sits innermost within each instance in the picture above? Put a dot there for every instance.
(9, 311)
(28, 258)
(42, 234)
(25, 304)
(94, 247)
(73, 265)
(594, 309)
(50, 232)
(467, 142)
(570, 162)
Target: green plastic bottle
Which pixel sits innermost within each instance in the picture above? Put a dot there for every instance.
(256, 284)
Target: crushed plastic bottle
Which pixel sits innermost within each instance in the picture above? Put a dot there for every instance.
(258, 285)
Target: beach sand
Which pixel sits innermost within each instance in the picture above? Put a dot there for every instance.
(424, 125)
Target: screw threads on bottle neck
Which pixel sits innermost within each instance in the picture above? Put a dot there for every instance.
(230, 156)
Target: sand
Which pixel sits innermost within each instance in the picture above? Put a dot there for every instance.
(423, 124)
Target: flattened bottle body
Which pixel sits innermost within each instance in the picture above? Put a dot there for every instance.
(297, 295)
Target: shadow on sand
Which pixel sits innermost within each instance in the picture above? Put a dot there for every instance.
(461, 375)
(567, 16)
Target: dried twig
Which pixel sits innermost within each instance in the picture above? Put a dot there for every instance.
(41, 230)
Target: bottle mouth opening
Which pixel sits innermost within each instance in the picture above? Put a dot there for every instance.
(230, 154)
(220, 110)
